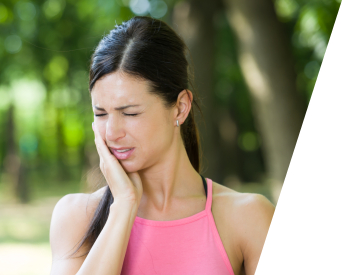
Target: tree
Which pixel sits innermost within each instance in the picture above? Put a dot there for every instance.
(268, 68)
(194, 21)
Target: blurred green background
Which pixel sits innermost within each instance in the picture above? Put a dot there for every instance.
(255, 64)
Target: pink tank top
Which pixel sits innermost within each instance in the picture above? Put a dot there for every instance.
(188, 246)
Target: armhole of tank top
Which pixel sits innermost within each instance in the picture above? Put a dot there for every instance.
(214, 228)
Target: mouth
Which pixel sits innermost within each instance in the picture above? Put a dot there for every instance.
(122, 153)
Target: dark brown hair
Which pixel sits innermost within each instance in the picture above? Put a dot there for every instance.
(148, 49)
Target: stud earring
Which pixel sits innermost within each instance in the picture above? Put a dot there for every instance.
(177, 123)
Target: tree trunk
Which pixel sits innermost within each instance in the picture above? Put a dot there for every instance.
(14, 166)
(194, 21)
(268, 68)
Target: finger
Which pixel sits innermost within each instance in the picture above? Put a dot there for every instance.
(100, 144)
(101, 165)
(116, 171)
(136, 180)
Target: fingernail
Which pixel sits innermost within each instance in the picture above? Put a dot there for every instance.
(92, 125)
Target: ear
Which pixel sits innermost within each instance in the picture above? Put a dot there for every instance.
(183, 106)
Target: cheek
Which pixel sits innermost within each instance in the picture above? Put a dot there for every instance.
(101, 126)
(155, 135)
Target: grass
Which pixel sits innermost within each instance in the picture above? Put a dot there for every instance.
(24, 237)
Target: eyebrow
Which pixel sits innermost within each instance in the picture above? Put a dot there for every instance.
(116, 108)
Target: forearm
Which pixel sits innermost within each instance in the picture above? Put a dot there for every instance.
(108, 252)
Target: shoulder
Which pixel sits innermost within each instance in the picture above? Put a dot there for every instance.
(243, 220)
(77, 205)
(247, 205)
(250, 214)
(70, 219)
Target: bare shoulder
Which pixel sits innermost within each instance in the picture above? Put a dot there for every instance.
(243, 220)
(70, 219)
(245, 214)
(247, 205)
(246, 218)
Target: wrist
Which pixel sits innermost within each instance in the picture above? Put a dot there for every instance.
(124, 205)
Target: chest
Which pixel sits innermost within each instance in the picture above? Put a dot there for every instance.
(186, 247)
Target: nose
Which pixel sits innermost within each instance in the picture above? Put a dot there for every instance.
(114, 129)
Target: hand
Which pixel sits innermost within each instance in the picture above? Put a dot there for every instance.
(126, 187)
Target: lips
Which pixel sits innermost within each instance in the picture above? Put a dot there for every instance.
(121, 148)
(122, 155)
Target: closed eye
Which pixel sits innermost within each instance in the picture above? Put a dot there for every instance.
(130, 114)
(123, 113)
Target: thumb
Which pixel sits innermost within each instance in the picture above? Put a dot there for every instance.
(136, 180)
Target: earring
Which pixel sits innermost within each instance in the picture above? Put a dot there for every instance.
(177, 123)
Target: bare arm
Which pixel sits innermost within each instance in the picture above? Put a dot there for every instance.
(108, 252)
(69, 222)
(257, 213)
(68, 225)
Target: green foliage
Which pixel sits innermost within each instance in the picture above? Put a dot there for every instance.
(309, 24)
(45, 50)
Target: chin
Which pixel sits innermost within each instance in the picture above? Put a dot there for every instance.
(129, 167)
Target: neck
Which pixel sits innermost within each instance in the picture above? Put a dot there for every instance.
(172, 177)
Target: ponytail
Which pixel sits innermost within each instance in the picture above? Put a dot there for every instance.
(149, 49)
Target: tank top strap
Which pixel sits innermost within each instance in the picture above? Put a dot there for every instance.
(210, 195)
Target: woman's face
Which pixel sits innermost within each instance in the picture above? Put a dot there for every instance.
(146, 126)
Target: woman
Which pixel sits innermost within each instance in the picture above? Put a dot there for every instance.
(165, 218)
